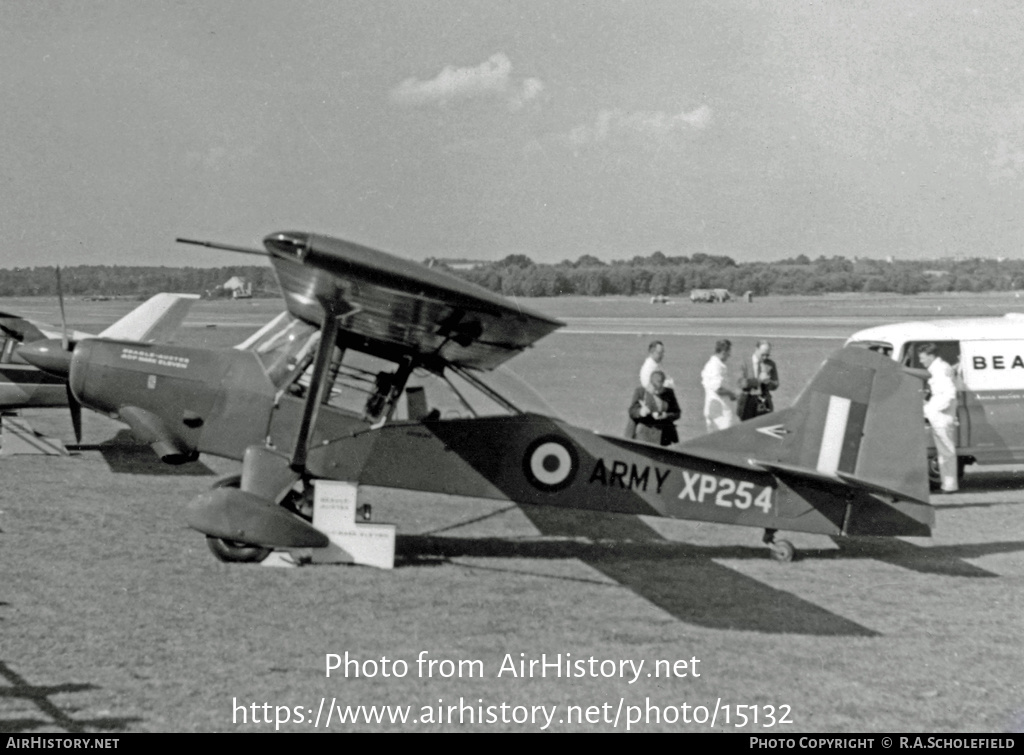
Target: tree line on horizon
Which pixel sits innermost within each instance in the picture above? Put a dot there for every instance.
(659, 275)
(134, 281)
(655, 275)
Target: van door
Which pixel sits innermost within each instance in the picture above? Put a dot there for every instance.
(949, 351)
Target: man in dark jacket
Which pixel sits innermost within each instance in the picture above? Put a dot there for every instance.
(758, 378)
(653, 413)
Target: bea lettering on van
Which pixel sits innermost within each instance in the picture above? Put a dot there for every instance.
(993, 365)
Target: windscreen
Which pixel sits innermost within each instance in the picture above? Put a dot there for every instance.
(281, 346)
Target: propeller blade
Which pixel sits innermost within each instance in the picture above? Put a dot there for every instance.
(65, 342)
(76, 415)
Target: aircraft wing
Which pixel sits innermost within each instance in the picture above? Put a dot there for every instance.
(22, 330)
(154, 320)
(394, 306)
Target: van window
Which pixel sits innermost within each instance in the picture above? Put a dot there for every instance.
(948, 350)
(880, 346)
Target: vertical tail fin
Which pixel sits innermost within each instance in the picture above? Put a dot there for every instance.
(154, 320)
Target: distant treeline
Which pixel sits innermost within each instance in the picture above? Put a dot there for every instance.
(519, 275)
(677, 276)
(131, 281)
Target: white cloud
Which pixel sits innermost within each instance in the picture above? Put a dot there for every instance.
(530, 90)
(492, 78)
(657, 125)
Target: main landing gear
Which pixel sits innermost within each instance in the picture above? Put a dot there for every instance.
(782, 550)
(299, 501)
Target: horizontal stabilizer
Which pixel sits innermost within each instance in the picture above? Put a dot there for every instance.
(837, 477)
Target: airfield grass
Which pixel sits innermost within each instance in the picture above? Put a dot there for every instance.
(115, 617)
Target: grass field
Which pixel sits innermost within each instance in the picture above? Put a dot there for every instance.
(115, 617)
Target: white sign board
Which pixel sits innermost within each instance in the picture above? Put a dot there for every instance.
(352, 542)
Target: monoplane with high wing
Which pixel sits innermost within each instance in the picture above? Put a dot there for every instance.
(389, 373)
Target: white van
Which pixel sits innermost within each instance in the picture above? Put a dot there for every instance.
(988, 355)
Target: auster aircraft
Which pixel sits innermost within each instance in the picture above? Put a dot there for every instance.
(25, 386)
(388, 373)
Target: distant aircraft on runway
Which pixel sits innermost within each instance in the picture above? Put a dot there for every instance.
(25, 386)
(401, 387)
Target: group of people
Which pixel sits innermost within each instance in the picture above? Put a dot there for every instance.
(654, 409)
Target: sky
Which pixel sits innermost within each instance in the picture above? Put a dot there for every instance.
(478, 129)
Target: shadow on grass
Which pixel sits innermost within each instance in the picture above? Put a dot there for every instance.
(125, 455)
(945, 560)
(988, 481)
(18, 688)
(679, 578)
(683, 579)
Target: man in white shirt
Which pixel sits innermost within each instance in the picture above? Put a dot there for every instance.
(655, 353)
(718, 412)
(940, 411)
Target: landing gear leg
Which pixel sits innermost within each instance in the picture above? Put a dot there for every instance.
(781, 550)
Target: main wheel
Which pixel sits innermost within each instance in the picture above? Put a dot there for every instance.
(232, 551)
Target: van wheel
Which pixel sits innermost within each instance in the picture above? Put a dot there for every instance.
(935, 479)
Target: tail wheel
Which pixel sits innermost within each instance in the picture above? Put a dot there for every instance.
(783, 551)
(232, 551)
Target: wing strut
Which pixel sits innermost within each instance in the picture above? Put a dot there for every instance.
(328, 337)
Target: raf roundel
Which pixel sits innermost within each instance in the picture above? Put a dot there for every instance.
(550, 463)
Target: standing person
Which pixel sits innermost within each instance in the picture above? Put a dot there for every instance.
(653, 413)
(655, 353)
(758, 378)
(718, 413)
(940, 411)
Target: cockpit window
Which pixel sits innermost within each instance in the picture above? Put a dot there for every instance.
(282, 345)
(463, 394)
(515, 390)
(372, 388)
(6, 348)
(451, 396)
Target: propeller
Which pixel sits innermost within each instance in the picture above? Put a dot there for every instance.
(76, 413)
(54, 357)
(74, 406)
(65, 341)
